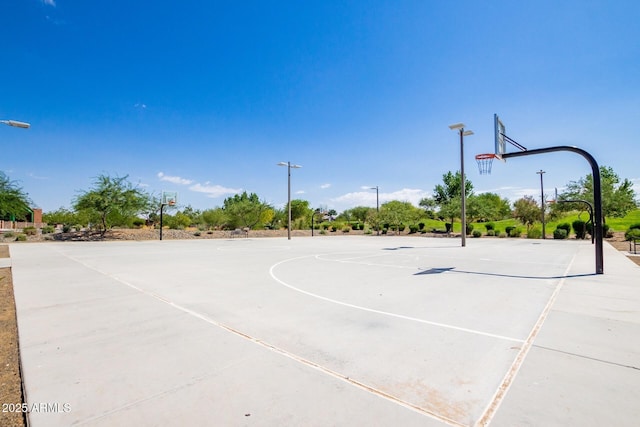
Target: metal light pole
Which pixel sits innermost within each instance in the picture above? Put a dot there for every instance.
(289, 167)
(460, 127)
(377, 209)
(16, 124)
(542, 201)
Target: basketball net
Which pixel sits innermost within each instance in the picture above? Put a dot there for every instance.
(485, 161)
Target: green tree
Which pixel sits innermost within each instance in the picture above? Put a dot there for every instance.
(396, 213)
(214, 218)
(14, 202)
(527, 211)
(244, 210)
(618, 196)
(111, 201)
(448, 196)
(300, 214)
(488, 207)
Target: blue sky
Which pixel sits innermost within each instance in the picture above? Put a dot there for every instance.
(205, 98)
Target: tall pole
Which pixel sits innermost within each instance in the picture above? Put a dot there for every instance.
(377, 209)
(544, 236)
(289, 200)
(289, 166)
(463, 213)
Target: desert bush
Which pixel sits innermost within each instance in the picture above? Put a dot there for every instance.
(490, 226)
(346, 229)
(21, 238)
(8, 234)
(509, 228)
(30, 231)
(138, 222)
(469, 228)
(477, 233)
(48, 229)
(565, 226)
(491, 233)
(502, 235)
(197, 233)
(413, 229)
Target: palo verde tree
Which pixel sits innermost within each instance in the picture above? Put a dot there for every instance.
(111, 201)
(246, 210)
(14, 202)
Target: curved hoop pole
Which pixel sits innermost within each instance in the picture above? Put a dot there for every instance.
(597, 192)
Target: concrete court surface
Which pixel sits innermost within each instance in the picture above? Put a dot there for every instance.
(328, 331)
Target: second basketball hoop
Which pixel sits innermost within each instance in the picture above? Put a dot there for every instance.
(485, 161)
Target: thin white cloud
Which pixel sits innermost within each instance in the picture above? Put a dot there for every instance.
(49, 2)
(324, 186)
(300, 192)
(174, 179)
(140, 106)
(368, 198)
(214, 190)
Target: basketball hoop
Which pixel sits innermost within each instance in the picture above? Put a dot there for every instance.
(485, 161)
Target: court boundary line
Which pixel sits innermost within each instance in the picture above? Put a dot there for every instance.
(494, 404)
(266, 345)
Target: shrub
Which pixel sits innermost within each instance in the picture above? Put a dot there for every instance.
(634, 226)
(209, 232)
(9, 234)
(490, 226)
(565, 226)
(515, 232)
(469, 228)
(560, 233)
(502, 235)
(413, 229)
(355, 226)
(421, 226)
(30, 231)
(508, 229)
(48, 229)
(579, 228)
(477, 233)
(21, 238)
(138, 223)
(66, 228)
(632, 234)
(534, 233)
(401, 227)
(346, 229)
(491, 233)
(448, 226)
(384, 230)
(197, 233)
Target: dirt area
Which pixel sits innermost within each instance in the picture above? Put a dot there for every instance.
(10, 379)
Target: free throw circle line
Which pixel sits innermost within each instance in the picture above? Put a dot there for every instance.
(383, 313)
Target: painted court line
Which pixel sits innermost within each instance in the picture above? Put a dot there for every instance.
(384, 313)
(507, 381)
(283, 352)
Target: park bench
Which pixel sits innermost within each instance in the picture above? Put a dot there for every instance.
(239, 232)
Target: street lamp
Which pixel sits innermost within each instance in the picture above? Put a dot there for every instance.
(377, 209)
(289, 167)
(542, 201)
(460, 127)
(16, 124)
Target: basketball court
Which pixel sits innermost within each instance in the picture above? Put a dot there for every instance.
(328, 330)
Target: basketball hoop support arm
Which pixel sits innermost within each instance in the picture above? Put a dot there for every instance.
(597, 192)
